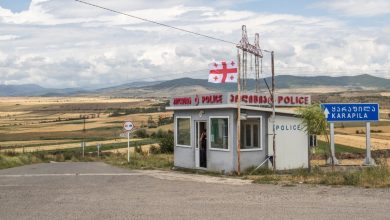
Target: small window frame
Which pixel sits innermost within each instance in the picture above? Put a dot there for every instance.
(209, 133)
(261, 135)
(177, 130)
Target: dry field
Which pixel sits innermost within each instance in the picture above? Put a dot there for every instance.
(57, 122)
(145, 148)
(68, 145)
(47, 123)
(317, 89)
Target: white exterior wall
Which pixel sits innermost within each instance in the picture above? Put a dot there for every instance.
(217, 160)
(291, 143)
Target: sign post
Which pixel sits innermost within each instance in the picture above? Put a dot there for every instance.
(368, 161)
(98, 150)
(352, 112)
(128, 126)
(332, 159)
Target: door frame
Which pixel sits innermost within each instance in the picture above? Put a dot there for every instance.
(197, 143)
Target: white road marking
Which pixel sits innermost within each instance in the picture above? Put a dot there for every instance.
(70, 174)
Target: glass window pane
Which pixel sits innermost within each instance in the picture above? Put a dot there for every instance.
(242, 140)
(219, 133)
(256, 135)
(183, 131)
(248, 135)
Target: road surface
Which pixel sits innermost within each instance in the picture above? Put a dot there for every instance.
(100, 191)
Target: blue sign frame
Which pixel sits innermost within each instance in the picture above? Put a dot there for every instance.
(351, 112)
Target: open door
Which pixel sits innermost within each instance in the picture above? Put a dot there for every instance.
(197, 144)
(201, 144)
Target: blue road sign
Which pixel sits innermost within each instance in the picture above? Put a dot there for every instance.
(343, 112)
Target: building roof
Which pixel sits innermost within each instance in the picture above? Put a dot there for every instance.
(233, 106)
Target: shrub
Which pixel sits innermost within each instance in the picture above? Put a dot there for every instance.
(141, 133)
(351, 179)
(154, 149)
(138, 149)
(166, 143)
(160, 133)
(68, 155)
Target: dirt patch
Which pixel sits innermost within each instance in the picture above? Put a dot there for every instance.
(175, 176)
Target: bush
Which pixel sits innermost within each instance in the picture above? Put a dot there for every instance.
(166, 143)
(160, 133)
(351, 179)
(154, 149)
(138, 149)
(141, 133)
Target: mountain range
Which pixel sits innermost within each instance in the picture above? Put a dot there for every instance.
(191, 86)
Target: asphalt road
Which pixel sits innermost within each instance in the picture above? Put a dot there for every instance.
(100, 191)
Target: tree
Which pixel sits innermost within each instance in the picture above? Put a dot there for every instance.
(314, 122)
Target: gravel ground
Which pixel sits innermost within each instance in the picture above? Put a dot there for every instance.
(100, 191)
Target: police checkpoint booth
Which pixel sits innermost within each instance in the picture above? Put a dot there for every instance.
(215, 117)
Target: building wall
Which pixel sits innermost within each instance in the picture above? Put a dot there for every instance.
(217, 160)
(291, 143)
(253, 157)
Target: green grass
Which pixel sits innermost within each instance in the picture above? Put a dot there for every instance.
(323, 149)
(73, 122)
(11, 159)
(368, 177)
(35, 145)
(7, 161)
(105, 147)
(93, 148)
(360, 124)
(140, 161)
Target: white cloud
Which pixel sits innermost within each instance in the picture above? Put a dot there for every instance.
(65, 44)
(7, 37)
(363, 8)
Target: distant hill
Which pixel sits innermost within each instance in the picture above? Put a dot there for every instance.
(35, 90)
(191, 86)
(359, 81)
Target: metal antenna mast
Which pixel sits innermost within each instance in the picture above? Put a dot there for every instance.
(253, 50)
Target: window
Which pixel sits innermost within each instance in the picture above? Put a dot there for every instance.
(250, 134)
(219, 133)
(183, 131)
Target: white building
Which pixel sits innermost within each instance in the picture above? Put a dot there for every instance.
(217, 115)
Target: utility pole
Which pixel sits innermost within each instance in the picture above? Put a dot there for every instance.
(84, 130)
(238, 115)
(273, 111)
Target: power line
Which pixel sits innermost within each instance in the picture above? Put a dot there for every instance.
(155, 22)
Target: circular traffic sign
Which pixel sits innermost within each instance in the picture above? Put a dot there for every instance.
(128, 125)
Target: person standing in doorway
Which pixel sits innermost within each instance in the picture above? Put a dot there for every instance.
(203, 148)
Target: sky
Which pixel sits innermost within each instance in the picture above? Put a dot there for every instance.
(61, 44)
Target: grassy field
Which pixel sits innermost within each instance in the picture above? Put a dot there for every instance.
(29, 124)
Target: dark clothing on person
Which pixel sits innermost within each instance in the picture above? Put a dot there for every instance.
(203, 150)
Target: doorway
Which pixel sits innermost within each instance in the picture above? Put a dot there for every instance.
(201, 144)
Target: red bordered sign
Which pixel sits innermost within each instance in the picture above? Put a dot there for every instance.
(128, 126)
